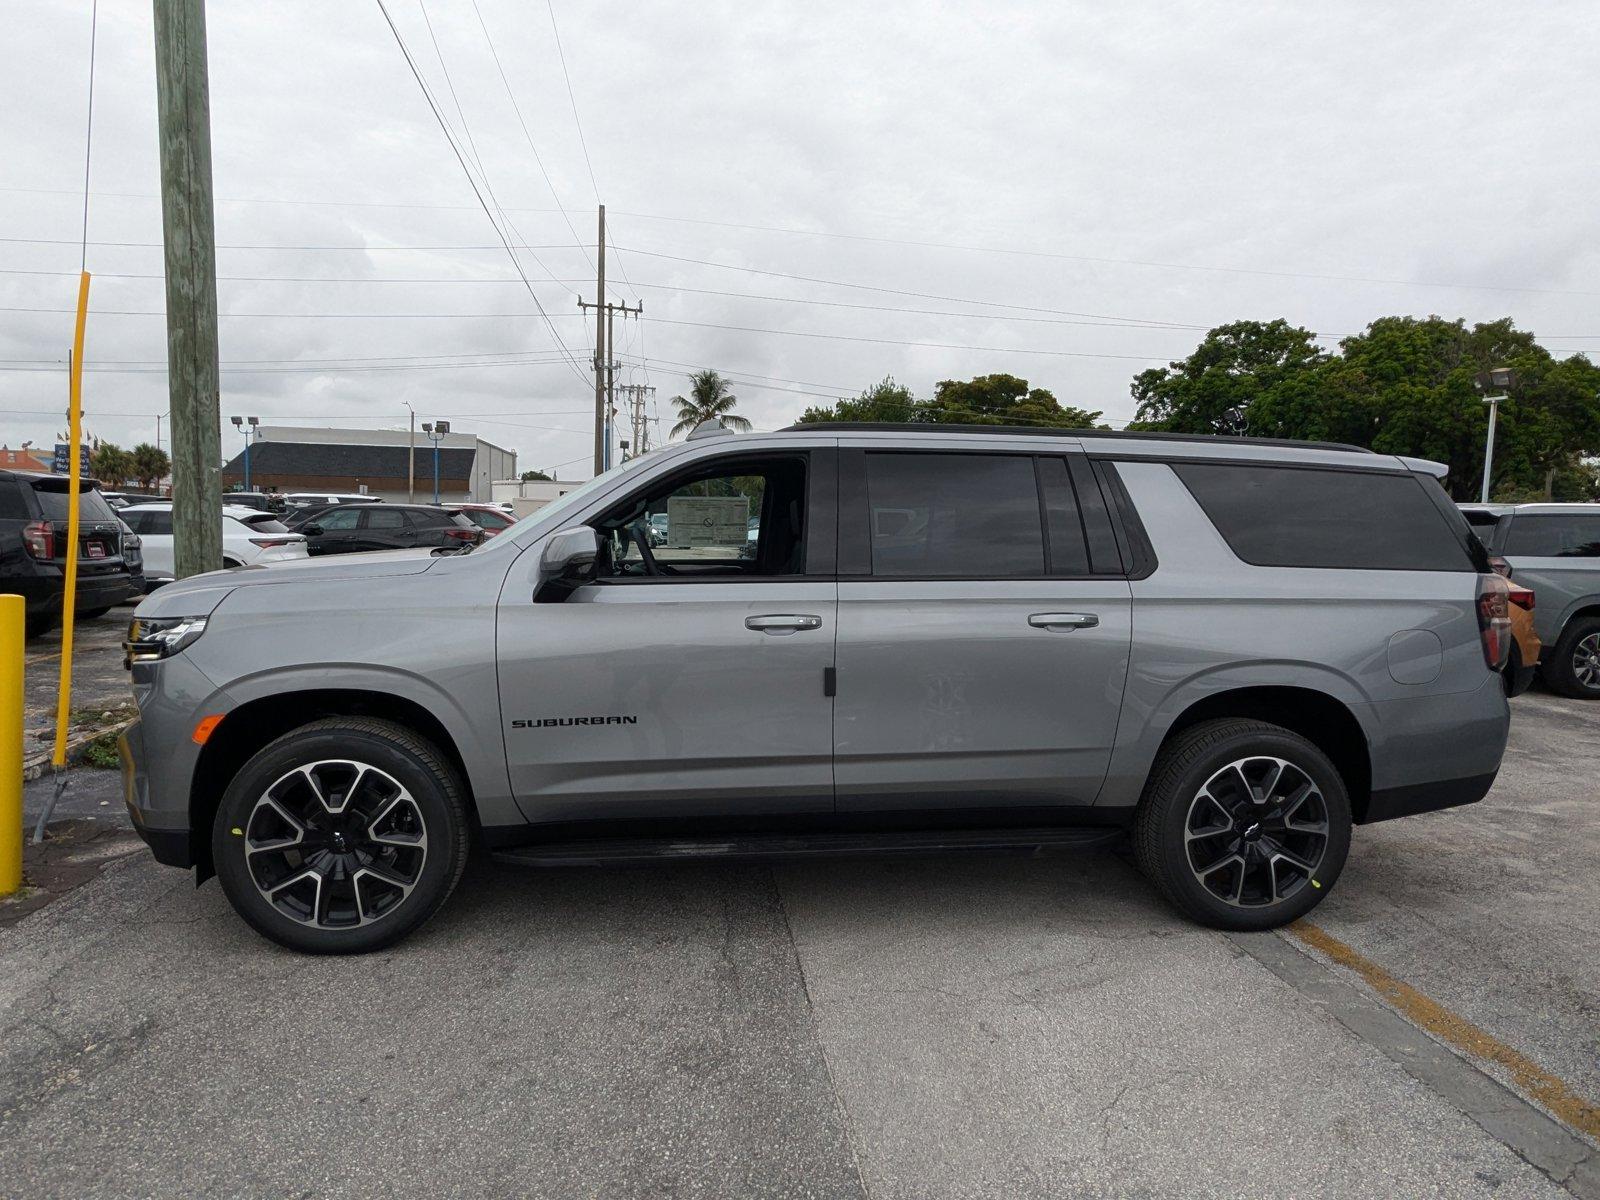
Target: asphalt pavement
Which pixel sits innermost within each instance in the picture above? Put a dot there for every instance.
(973, 1026)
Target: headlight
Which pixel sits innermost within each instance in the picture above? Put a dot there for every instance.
(153, 638)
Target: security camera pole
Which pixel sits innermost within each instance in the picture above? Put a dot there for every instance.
(183, 110)
(1499, 378)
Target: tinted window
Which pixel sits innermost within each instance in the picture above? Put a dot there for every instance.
(12, 506)
(384, 518)
(92, 505)
(973, 516)
(156, 521)
(1554, 535)
(1295, 517)
(337, 518)
(488, 520)
(1069, 552)
(265, 523)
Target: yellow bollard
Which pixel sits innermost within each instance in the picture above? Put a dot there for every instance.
(13, 621)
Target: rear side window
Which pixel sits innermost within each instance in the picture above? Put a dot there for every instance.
(152, 521)
(972, 516)
(385, 518)
(265, 523)
(12, 506)
(1554, 535)
(1297, 517)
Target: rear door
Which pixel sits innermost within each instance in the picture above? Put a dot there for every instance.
(984, 628)
(154, 527)
(384, 528)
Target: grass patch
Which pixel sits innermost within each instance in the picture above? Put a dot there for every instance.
(102, 753)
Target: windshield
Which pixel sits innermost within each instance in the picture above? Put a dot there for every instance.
(555, 512)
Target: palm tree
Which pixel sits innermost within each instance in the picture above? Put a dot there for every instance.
(708, 400)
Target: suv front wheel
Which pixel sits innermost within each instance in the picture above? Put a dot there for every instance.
(1243, 825)
(341, 836)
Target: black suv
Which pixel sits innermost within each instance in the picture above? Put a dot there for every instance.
(33, 546)
(348, 528)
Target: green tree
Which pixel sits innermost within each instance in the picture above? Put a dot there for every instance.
(1234, 369)
(984, 400)
(111, 464)
(710, 398)
(886, 401)
(531, 476)
(1004, 400)
(150, 464)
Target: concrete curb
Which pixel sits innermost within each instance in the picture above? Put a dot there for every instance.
(35, 766)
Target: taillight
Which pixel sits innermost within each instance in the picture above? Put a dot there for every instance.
(270, 543)
(39, 539)
(462, 535)
(1494, 619)
(1522, 597)
(1499, 566)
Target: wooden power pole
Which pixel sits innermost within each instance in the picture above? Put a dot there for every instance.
(183, 109)
(601, 350)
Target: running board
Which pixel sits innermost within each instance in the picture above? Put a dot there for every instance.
(821, 845)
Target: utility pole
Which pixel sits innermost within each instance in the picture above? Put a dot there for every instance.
(638, 424)
(600, 349)
(183, 111)
(605, 375)
(411, 462)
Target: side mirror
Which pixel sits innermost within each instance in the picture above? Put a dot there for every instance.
(312, 530)
(568, 562)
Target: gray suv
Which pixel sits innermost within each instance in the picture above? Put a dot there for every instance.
(1555, 550)
(839, 638)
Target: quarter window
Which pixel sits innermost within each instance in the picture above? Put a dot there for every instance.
(964, 516)
(1301, 517)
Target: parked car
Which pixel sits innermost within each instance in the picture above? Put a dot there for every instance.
(267, 502)
(133, 557)
(1231, 650)
(490, 518)
(325, 499)
(357, 528)
(249, 537)
(294, 518)
(34, 510)
(1523, 662)
(1555, 550)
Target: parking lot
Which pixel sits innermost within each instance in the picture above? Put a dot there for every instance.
(996, 1025)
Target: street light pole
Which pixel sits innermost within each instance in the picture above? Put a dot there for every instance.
(248, 427)
(1500, 378)
(436, 431)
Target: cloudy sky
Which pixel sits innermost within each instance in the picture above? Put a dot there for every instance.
(807, 197)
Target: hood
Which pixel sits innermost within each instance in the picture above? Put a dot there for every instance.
(199, 594)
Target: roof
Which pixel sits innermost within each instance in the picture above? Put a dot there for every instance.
(1048, 431)
(337, 460)
(1554, 508)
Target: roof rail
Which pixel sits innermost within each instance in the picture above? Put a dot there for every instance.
(1048, 431)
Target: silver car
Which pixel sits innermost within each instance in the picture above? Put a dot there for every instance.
(942, 638)
(1555, 550)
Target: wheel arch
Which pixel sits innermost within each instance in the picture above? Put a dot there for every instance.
(255, 723)
(1578, 610)
(1322, 719)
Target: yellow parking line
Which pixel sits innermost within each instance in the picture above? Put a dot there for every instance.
(1434, 1018)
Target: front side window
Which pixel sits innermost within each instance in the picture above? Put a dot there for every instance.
(732, 520)
(965, 516)
(338, 519)
(1554, 535)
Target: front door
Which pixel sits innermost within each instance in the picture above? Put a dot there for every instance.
(984, 631)
(690, 679)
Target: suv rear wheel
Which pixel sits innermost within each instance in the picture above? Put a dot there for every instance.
(1243, 825)
(1573, 667)
(342, 836)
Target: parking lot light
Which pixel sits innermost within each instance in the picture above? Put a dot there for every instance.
(1499, 379)
(249, 426)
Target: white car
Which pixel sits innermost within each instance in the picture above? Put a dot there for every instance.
(249, 536)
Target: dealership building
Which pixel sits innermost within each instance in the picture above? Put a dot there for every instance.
(376, 462)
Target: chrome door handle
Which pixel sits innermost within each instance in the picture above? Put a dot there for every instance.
(783, 622)
(1063, 620)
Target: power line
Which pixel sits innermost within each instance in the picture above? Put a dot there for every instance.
(274, 246)
(573, 100)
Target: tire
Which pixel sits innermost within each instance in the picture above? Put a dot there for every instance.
(1263, 889)
(389, 840)
(1573, 667)
(37, 625)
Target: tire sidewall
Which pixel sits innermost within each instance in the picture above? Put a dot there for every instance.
(440, 816)
(1565, 678)
(1173, 816)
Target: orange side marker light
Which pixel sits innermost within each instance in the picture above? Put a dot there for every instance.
(206, 727)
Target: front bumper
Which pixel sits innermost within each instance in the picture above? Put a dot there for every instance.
(170, 845)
